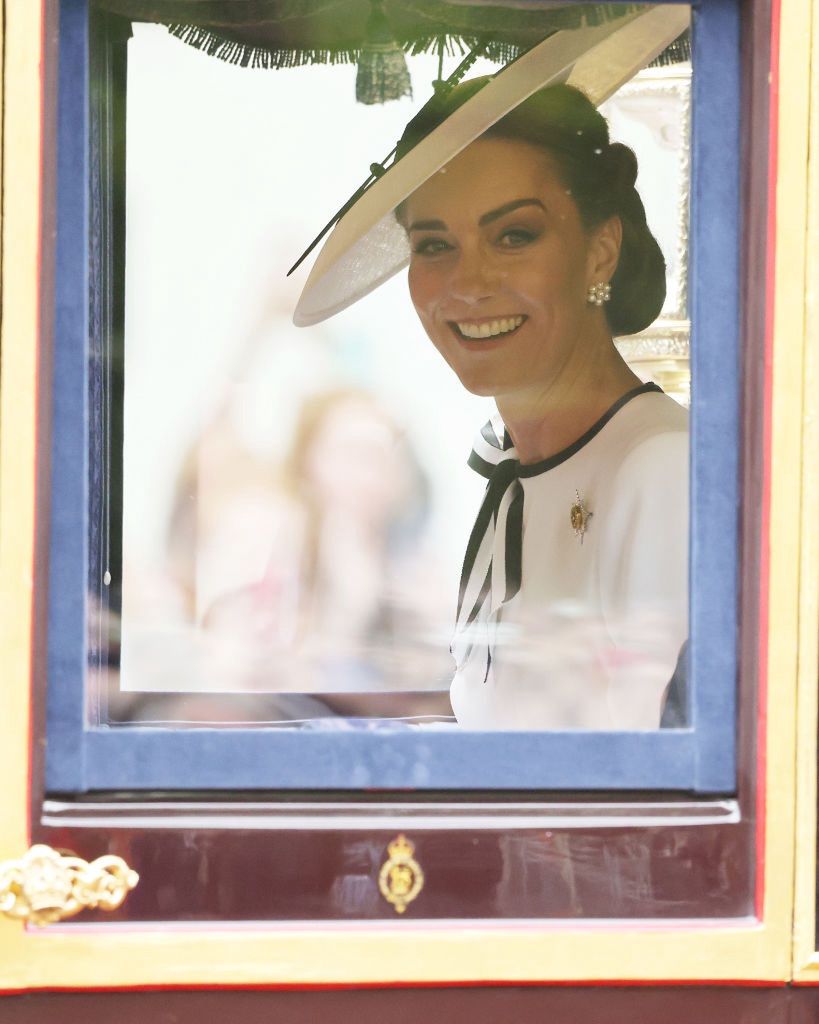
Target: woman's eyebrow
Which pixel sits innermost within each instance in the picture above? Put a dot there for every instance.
(486, 218)
(501, 211)
(427, 225)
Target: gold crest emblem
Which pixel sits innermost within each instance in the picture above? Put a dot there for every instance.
(579, 517)
(45, 885)
(401, 878)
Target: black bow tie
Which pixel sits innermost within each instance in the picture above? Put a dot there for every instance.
(501, 477)
(493, 458)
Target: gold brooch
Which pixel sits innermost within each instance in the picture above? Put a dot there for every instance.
(579, 517)
(401, 878)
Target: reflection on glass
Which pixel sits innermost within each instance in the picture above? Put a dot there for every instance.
(295, 502)
(324, 612)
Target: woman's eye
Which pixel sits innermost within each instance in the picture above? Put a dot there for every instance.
(514, 238)
(431, 247)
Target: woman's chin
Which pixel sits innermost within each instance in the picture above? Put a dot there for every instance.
(479, 382)
(482, 389)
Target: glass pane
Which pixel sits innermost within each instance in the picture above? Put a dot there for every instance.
(295, 503)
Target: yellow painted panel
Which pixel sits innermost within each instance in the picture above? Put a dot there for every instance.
(406, 952)
(806, 963)
(20, 168)
(786, 463)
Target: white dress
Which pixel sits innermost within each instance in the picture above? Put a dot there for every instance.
(565, 628)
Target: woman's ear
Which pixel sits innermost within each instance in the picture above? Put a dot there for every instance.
(604, 250)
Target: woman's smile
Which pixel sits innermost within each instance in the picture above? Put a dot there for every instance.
(488, 328)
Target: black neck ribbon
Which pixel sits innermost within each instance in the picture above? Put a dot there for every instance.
(497, 464)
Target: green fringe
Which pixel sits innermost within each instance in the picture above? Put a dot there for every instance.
(499, 51)
(246, 56)
(496, 50)
(679, 52)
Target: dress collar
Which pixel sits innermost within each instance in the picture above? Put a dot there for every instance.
(493, 444)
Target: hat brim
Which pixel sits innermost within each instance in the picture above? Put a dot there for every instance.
(368, 245)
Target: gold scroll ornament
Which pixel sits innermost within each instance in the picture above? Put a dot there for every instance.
(44, 886)
(401, 878)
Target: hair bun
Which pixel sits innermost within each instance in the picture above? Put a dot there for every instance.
(622, 165)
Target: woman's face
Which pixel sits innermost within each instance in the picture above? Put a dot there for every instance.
(501, 267)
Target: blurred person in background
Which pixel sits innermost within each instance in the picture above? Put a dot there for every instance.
(339, 605)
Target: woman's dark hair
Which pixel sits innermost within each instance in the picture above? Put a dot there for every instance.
(600, 175)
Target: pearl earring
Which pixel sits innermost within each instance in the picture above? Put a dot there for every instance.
(599, 293)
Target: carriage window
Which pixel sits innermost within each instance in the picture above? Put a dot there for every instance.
(437, 511)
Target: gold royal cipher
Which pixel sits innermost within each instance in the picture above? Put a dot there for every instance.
(401, 878)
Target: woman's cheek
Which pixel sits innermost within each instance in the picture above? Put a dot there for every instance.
(416, 287)
(424, 292)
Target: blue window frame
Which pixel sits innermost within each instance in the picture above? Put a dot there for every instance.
(699, 758)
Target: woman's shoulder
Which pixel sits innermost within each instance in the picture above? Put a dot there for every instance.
(644, 446)
(649, 427)
(654, 412)
(645, 483)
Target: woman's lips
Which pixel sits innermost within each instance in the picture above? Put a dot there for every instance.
(486, 329)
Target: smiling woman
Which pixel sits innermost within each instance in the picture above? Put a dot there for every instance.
(529, 251)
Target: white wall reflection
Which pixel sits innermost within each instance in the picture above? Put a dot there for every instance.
(295, 501)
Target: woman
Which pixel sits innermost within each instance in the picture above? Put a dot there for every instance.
(529, 252)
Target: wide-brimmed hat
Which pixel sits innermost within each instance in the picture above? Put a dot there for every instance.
(368, 245)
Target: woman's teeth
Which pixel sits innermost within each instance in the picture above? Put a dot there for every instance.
(490, 328)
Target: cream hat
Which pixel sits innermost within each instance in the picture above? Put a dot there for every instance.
(368, 245)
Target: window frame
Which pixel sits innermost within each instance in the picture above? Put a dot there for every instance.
(700, 758)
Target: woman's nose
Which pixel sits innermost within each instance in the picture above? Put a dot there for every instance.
(473, 278)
